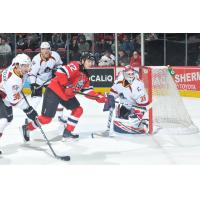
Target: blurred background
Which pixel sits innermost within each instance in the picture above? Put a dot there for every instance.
(110, 49)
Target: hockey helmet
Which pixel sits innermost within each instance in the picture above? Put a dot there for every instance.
(87, 56)
(22, 59)
(45, 45)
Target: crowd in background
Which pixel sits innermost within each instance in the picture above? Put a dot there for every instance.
(71, 45)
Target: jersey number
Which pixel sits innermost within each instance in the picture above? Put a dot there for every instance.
(143, 98)
(72, 67)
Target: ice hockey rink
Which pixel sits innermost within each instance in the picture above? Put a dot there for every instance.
(121, 149)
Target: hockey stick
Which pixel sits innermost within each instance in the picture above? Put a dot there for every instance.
(65, 158)
(87, 95)
(107, 131)
(145, 108)
(43, 84)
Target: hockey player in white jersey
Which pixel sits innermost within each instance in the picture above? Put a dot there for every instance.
(44, 64)
(11, 84)
(132, 95)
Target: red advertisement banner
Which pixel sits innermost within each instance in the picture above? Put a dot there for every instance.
(187, 77)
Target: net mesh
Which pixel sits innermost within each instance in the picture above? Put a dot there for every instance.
(169, 114)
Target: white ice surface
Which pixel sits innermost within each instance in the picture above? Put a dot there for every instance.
(121, 149)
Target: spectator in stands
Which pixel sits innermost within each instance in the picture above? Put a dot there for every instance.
(123, 59)
(21, 42)
(57, 41)
(33, 41)
(5, 52)
(83, 46)
(135, 60)
(135, 44)
(5, 48)
(102, 46)
(126, 45)
(151, 36)
(89, 38)
(113, 46)
(74, 50)
(107, 59)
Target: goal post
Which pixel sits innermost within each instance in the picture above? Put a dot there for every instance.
(168, 113)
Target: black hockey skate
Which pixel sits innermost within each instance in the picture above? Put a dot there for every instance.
(25, 131)
(68, 135)
(0, 152)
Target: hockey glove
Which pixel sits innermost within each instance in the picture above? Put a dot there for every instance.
(31, 113)
(34, 91)
(110, 103)
(101, 99)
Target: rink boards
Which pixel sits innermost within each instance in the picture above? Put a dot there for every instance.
(187, 79)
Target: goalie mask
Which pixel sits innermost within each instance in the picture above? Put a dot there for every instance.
(129, 74)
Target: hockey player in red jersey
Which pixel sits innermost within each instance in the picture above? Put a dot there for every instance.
(69, 79)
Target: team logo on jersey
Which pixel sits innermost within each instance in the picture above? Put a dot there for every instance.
(33, 62)
(15, 88)
(80, 84)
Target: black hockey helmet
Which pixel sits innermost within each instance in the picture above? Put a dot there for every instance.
(87, 55)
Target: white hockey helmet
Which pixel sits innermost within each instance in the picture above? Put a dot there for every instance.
(129, 73)
(22, 59)
(45, 45)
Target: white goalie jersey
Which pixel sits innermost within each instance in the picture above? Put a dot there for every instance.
(130, 94)
(41, 70)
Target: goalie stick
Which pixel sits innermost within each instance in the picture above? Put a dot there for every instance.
(65, 158)
(105, 133)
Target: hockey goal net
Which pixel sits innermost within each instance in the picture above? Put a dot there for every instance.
(167, 113)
